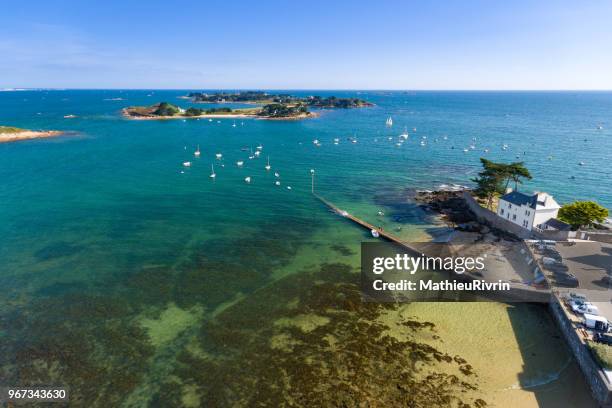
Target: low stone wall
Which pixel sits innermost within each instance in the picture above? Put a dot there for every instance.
(595, 378)
(489, 217)
(554, 235)
(599, 236)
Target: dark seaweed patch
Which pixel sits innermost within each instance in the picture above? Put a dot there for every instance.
(346, 361)
(57, 250)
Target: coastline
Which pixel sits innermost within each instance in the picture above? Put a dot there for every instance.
(218, 116)
(28, 134)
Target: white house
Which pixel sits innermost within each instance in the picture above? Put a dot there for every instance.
(538, 210)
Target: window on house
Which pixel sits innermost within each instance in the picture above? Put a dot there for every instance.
(502, 212)
(509, 205)
(514, 217)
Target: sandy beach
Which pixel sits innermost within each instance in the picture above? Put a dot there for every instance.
(28, 134)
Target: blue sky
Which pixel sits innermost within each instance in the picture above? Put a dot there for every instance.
(417, 44)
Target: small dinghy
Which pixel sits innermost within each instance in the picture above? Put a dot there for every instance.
(187, 164)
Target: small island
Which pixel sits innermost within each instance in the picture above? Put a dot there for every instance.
(13, 134)
(259, 97)
(165, 110)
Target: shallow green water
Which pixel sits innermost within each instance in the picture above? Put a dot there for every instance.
(115, 258)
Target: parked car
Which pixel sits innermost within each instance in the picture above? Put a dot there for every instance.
(588, 309)
(552, 253)
(576, 304)
(567, 281)
(557, 267)
(595, 322)
(576, 296)
(605, 338)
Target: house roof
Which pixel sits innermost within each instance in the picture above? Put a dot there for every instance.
(558, 224)
(536, 201)
(518, 198)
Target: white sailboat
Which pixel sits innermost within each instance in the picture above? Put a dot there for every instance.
(268, 165)
(277, 183)
(239, 163)
(276, 174)
(389, 122)
(257, 153)
(260, 147)
(212, 171)
(197, 152)
(247, 179)
(218, 156)
(405, 134)
(187, 164)
(234, 124)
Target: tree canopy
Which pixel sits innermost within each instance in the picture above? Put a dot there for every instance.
(166, 109)
(495, 178)
(582, 213)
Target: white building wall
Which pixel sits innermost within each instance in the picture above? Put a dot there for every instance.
(543, 215)
(522, 216)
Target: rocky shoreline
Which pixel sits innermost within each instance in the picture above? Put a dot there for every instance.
(452, 209)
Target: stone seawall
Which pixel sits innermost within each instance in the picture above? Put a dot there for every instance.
(486, 216)
(595, 378)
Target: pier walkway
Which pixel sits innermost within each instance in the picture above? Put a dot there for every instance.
(383, 234)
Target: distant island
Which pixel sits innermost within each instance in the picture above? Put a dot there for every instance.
(13, 134)
(165, 110)
(260, 97)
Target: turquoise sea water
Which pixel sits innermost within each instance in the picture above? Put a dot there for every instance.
(104, 231)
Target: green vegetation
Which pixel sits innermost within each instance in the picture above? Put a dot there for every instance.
(166, 109)
(220, 97)
(194, 112)
(582, 213)
(8, 129)
(286, 99)
(602, 354)
(218, 110)
(495, 177)
(333, 102)
(279, 110)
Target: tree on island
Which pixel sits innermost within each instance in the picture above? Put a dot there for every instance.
(582, 213)
(490, 181)
(166, 109)
(194, 112)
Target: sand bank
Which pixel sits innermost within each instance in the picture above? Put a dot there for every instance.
(27, 134)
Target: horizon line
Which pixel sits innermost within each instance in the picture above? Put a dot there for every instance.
(16, 89)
